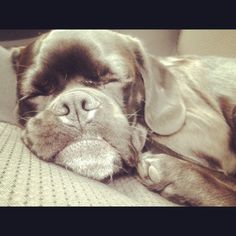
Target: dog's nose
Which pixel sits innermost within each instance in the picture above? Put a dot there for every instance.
(77, 106)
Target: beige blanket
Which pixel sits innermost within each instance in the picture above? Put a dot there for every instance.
(27, 181)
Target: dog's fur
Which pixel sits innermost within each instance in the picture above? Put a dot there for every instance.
(95, 102)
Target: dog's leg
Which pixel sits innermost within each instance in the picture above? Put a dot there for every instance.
(185, 183)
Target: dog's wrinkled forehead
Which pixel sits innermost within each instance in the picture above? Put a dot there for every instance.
(66, 54)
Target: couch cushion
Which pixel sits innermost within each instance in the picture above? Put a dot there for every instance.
(26, 180)
(208, 42)
(7, 88)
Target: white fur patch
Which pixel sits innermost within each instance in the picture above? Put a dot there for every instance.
(93, 158)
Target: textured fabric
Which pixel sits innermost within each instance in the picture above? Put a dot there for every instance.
(26, 180)
(133, 189)
(208, 42)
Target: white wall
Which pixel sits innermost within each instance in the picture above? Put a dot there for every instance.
(208, 42)
(157, 42)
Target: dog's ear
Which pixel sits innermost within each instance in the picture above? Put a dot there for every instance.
(164, 106)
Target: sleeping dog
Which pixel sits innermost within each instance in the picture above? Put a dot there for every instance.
(95, 102)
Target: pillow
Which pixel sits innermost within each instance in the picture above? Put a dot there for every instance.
(208, 42)
(7, 88)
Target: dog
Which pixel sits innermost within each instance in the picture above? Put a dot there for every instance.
(95, 102)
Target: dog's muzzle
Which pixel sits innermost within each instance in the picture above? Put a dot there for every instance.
(96, 152)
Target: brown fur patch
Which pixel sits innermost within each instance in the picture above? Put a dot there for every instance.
(212, 162)
(227, 109)
(218, 183)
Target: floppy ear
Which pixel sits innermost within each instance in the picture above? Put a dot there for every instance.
(164, 107)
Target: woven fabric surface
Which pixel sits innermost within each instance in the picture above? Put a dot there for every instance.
(26, 180)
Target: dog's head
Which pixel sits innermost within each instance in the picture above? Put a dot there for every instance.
(87, 98)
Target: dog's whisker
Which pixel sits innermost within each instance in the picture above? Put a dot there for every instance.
(121, 168)
(133, 149)
(24, 118)
(24, 66)
(65, 77)
(28, 112)
(17, 73)
(111, 178)
(10, 66)
(141, 135)
(140, 129)
(135, 113)
(23, 98)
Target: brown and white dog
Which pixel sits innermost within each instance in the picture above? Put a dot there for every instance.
(95, 102)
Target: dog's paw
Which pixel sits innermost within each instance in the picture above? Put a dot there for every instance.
(170, 177)
(154, 170)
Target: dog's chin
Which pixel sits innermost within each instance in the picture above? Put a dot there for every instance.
(94, 158)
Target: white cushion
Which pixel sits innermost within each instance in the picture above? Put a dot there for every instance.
(7, 88)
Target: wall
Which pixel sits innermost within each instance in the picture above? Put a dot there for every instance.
(208, 42)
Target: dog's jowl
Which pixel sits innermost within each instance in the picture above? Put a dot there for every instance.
(96, 102)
